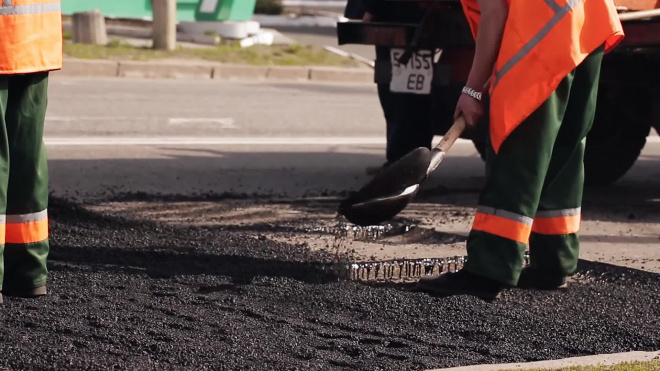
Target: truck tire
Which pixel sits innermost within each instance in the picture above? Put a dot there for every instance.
(613, 145)
(612, 149)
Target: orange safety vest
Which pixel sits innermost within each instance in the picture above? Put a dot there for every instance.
(543, 42)
(30, 36)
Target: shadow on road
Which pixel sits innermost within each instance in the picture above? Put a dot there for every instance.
(165, 262)
(199, 173)
(89, 241)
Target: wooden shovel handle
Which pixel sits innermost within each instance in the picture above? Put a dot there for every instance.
(448, 140)
(457, 129)
(452, 134)
(438, 153)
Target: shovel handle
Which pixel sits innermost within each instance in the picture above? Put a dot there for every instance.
(448, 140)
(456, 130)
(452, 134)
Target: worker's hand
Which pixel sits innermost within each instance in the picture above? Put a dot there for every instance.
(471, 109)
(368, 17)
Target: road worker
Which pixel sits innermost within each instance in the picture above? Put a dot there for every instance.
(543, 60)
(30, 47)
(408, 124)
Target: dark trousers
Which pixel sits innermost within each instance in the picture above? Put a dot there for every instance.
(23, 182)
(534, 184)
(407, 117)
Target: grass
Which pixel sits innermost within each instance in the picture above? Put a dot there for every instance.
(635, 366)
(294, 55)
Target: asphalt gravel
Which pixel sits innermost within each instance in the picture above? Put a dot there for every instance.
(139, 295)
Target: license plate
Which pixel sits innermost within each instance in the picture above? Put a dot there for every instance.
(416, 76)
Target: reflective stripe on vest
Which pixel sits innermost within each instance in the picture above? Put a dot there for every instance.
(24, 228)
(543, 42)
(503, 223)
(31, 39)
(557, 222)
(8, 9)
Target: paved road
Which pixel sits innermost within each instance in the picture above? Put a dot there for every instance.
(133, 294)
(185, 138)
(130, 293)
(223, 137)
(148, 108)
(182, 137)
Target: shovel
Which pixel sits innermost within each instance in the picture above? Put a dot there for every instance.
(389, 192)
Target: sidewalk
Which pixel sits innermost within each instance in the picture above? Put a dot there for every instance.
(596, 360)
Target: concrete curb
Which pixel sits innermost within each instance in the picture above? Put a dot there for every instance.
(85, 68)
(211, 71)
(164, 70)
(597, 360)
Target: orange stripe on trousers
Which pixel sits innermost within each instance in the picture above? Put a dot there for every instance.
(24, 233)
(558, 225)
(502, 227)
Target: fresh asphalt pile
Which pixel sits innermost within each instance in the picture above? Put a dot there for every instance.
(138, 295)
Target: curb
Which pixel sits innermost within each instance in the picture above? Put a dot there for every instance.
(596, 360)
(211, 71)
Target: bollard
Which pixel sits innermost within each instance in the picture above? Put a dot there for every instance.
(164, 28)
(89, 28)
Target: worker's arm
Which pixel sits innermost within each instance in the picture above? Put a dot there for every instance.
(489, 38)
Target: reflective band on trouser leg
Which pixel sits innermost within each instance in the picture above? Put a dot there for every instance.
(557, 222)
(503, 223)
(2, 232)
(27, 228)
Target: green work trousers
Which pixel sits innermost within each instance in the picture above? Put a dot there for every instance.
(23, 182)
(536, 178)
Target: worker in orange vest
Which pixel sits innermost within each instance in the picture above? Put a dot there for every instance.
(540, 61)
(30, 47)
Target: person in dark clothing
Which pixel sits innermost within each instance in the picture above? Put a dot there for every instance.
(408, 125)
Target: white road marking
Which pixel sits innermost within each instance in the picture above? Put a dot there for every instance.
(234, 141)
(223, 122)
(95, 118)
(216, 122)
(160, 141)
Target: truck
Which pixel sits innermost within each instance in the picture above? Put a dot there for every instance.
(628, 105)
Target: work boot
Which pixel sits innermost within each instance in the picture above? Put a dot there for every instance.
(30, 293)
(531, 278)
(461, 283)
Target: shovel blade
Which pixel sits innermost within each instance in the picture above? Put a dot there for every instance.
(378, 210)
(389, 192)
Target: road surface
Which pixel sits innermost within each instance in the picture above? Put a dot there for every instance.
(181, 240)
(107, 137)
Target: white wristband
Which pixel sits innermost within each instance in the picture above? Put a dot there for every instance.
(471, 92)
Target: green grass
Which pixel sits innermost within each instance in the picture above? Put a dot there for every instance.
(294, 55)
(635, 366)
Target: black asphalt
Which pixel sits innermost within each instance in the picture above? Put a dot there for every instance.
(132, 295)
